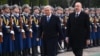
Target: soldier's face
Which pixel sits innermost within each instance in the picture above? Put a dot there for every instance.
(97, 11)
(7, 10)
(47, 11)
(66, 11)
(36, 11)
(27, 10)
(78, 7)
(70, 11)
(59, 11)
(16, 10)
(92, 12)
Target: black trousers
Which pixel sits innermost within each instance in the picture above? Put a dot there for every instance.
(49, 46)
(77, 51)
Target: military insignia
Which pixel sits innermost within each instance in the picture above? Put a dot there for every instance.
(6, 21)
(25, 20)
(36, 21)
(16, 21)
(91, 19)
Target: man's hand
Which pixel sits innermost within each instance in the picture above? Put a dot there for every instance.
(87, 42)
(67, 40)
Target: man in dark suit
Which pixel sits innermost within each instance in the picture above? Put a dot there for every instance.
(78, 30)
(50, 29)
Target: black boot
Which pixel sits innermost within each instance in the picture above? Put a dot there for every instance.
(33, 54)
(0, 54)
(34, 51)
(28, 51)
(18, 53)
(24, 52)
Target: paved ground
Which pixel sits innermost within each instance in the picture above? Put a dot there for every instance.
(87, 52)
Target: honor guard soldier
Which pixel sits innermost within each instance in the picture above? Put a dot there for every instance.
(8, 32)
(28, 29)
(92, 26)
(96, 31)
(92, 12)
(92, 35)
(66, 12)
(18, 32)
(98, 26)
(42, 11)
(1, 34)
(36, 43)
(98, 12)
(66, 15)
(59, 12)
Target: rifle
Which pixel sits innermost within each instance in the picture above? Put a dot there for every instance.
(30, 23)
(30, 26)
(95, 26)
(21, 27)
(1, 35)
(11, 26)
(21, 24)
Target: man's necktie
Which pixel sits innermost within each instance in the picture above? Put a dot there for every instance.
(48, 18)
(76, 15)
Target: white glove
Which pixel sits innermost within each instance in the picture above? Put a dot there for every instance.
(30, 30)
(37, 25)
(12, 32)
(27, 25)
(22, 30)
(1, 33)
(65, 27)
(18, 26)
(7, 26)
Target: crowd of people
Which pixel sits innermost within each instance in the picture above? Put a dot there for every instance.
(19, 28)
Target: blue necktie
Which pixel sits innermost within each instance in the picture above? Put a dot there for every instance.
(48, 18)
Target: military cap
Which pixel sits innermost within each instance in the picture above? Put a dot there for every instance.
(15, 6)
(59, 8)
(26, 6)
(36, 7)
(5, 6)
(66, 9)
(92, 9)
(97, 8)
(71, 8)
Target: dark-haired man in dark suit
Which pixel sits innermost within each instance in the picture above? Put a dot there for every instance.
(78, 30)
